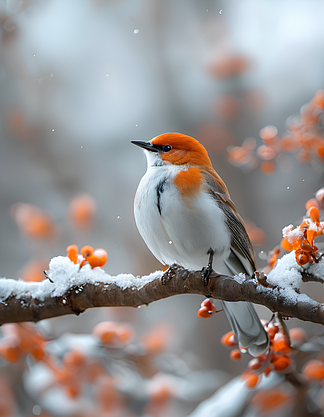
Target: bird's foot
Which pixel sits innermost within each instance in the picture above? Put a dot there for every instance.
(167, 274)
(206, 271)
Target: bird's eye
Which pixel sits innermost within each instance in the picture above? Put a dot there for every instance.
(166, 148)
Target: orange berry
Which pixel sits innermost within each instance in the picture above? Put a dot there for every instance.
(238, 155)
(305, 246)
(125, 333)
(160, 392)
(98, 258)
(33, 271)
(156, 340)
(228, 339)
(281, 343)
(73, 391)
(267, 152)
(204, 313)
(301, 258)
(270, 399)
(257, 236)
(267, 167)
(281, 363)
(86, 251)
(311, 234)
(288, 144)
(72, 253)
(33, 221)
(320, 151)
(74, 359)
(312, 202)
(208, 303)
(268, 133)
(273, 355)
(272, 331)
(235, 355)
(106, 331)
(314, 214)
(298, 335)
(320, 196)
(286, 245)
(227, 66)
(314, 369)
(267, 370)
(110, 332)
(37, 352)
(62, 376)
(81, 210)
(250, 378)
(10, 352)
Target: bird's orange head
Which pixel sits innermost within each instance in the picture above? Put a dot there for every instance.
(178, 149)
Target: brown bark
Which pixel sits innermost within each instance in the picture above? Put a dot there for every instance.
(176, 280)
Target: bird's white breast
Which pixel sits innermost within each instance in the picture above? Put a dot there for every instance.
(179, 229)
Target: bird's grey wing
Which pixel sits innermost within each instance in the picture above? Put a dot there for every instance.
(245, 323)
(241, 246)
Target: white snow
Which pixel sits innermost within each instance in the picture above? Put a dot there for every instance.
(286, 277)
(230, 400)
(317, 269)
(240, 278)
(65, 274)
(292, 234)
(286, 273)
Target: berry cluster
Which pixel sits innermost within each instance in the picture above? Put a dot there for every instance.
(207, 309)
(277, 358)
(20, 340)
(304, 140)
(88, 370)
(43, 230)
(301, 238)
(94, 257)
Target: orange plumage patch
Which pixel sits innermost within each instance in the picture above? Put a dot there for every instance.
(188, 151)
(189, 182)
(185, 150)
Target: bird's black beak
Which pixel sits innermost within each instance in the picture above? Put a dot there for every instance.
(146, 145)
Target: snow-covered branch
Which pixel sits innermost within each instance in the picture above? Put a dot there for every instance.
(71, 290)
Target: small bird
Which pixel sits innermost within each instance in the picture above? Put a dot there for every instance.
(184, 213)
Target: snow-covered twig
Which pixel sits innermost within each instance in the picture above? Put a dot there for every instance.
(72, 290)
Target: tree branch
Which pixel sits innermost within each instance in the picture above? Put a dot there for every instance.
(74, 290)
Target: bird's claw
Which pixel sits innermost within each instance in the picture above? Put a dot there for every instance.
(167, 276)
(206, 271)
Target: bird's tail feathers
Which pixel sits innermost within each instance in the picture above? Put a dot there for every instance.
(247, 327)
(246, 324)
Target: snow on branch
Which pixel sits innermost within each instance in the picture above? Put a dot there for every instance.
(72, 290)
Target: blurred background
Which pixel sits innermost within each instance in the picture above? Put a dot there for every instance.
(80, 79)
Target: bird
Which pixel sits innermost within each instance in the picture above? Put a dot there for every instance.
(185, 215)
